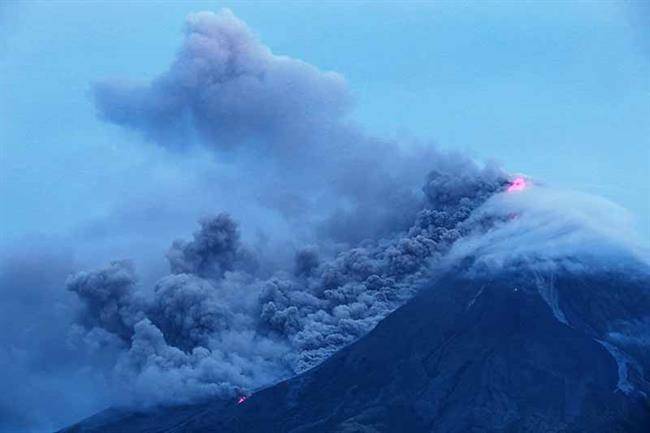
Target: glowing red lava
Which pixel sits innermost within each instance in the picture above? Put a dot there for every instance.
(518, 184)
(241, 399)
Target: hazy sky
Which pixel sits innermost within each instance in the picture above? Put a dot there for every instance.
(559, 91)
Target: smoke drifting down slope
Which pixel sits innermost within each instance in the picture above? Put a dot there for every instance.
(232, 317)
(365, 233)
(215, 326)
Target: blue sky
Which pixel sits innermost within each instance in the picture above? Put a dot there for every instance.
(559, 91)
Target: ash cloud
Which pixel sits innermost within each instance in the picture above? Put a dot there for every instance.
(229, 88)
(282, 123)
(216, 328)
(357, 228)
(215, 249)
(46, 380)
(108, 297)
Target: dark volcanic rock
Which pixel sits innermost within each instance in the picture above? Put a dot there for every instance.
(507, 353)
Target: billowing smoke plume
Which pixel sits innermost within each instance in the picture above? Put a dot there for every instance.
(215, 326)
(108, 298)
(282, 124)
(229, 88)
(367, 220)
(215, 249)
(362, 227)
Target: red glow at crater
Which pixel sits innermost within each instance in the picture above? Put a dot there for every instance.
(518, 184)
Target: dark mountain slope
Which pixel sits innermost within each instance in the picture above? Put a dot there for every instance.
(507, 353)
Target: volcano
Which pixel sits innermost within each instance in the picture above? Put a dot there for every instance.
(526, 351)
